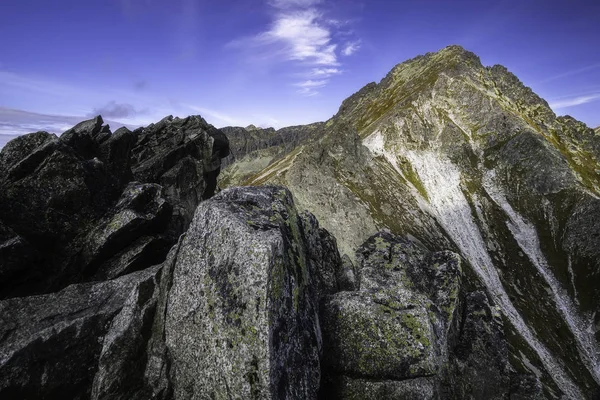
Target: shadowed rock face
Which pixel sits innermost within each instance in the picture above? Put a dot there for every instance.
(465, 157)
(57, 345)
(95, 205)
(184, 157)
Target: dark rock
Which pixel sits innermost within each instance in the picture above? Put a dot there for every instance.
(50, 197)
(140, 212)
(72, 203)
(323, 255)
(377, 389)
(82, 137)
(347, 276)
(115, 151)
(59, 345)
(183, 156)
(21, 147)
(479, 358)
(19, 258)
(526, 387)
(122, 361)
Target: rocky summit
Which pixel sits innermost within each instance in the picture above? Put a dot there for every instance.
(438, 238)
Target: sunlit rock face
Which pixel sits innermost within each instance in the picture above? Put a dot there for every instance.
(464, 157)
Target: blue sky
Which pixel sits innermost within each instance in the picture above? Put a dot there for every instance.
(271, 62)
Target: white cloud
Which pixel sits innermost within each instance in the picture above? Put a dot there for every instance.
(17, 122)
(302, 32)
(574, 101)
(324, 72)
(576, 71)
(266, 121)
(351, 48)
(309, 87)
(303, 37)
(222, 119)
(311, 84)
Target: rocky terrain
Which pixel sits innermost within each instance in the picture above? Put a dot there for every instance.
(438, 238)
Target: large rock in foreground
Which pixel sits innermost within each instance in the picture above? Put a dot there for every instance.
(242, 312)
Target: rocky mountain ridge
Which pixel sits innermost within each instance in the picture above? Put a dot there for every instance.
(464, 157)
(449, 251)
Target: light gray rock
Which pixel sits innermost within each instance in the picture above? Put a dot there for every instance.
(241, 318)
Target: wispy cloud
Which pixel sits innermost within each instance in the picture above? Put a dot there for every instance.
(576, 71)
(302, 32)
(310, 87)
(65, 104)
(574, 101)
(222, 118)
(302, 36)
(351, 48)
(266, 121)
(324, 72)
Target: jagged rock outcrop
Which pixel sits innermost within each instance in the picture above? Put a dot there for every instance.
(184, 157)
(97, 205)
(231, 313)
(55, 345)
(465, 157)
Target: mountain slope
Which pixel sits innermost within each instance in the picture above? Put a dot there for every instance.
(465, 157)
